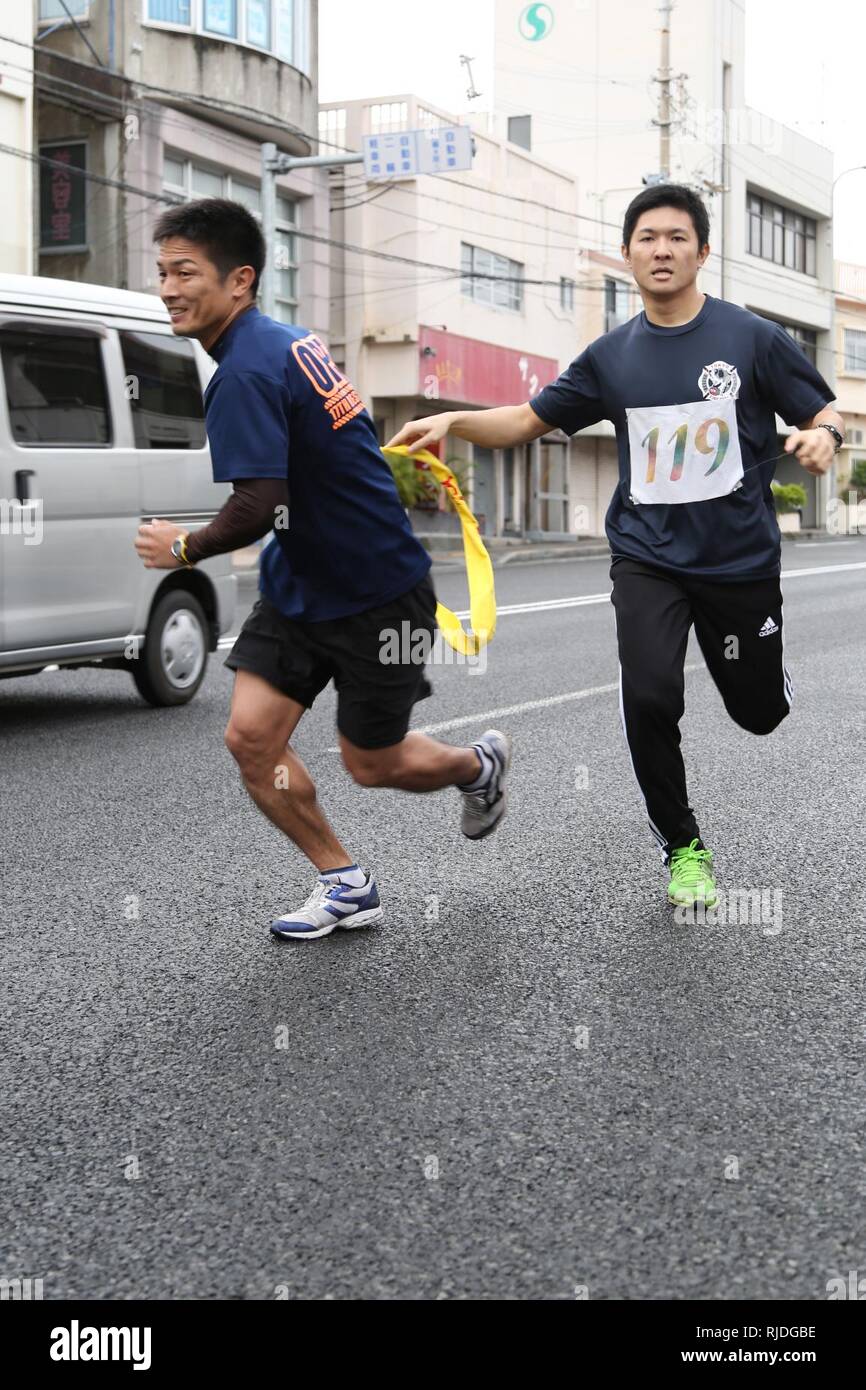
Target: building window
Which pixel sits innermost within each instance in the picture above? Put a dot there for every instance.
(55, 387)
(53, 9)
(249, 195)
(566, 295)
(167, 405)
(206, 184)
(855, 351)
(332, 128)
(286, 260)
(220, 17)
(284, 37)
(259, 23)
(190, 180)
(616, 303)
(170, 12)
(281, 27)
(520, 131)
(491, 279)
(389, 115)
(778, 234)
(302, 36)
(62, 200)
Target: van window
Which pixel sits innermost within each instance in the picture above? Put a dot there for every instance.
(55, 385)
(164, 391)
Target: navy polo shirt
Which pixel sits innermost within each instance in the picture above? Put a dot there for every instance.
(694, 411)
(278, 407)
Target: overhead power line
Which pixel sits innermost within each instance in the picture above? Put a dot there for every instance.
(91, 177)
(210, 103)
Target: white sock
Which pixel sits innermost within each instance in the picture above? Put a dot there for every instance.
(352, 876)
(487, 770)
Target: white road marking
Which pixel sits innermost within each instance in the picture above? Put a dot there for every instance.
(822, 569)
(551, 605)
(505, 711)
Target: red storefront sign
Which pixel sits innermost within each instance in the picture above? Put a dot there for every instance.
(452, 368)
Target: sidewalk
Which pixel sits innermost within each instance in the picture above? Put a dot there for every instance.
(517, 550)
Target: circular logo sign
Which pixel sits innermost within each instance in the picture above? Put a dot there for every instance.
(536, 22)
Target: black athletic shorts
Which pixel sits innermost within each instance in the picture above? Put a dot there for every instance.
(374, 696)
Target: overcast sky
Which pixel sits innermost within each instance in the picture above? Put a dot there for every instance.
(804, 65)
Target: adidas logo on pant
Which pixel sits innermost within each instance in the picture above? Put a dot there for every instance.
(769, 628)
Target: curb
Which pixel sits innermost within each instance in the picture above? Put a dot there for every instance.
(444, 559)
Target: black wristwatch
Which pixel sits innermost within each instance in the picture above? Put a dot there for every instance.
(835, 433)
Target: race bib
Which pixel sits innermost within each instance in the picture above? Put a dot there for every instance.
(684, 453)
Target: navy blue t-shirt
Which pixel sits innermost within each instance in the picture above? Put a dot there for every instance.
(693, 407)
(278, 407)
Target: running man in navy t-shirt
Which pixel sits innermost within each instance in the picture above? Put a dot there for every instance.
(692, 386)
(342, 581)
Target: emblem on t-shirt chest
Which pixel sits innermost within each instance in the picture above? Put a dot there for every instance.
(719, 381)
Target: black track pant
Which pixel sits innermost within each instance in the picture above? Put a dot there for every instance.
(739, 628)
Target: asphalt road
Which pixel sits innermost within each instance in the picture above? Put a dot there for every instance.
(529, 1081)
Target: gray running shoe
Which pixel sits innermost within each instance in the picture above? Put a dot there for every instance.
(484, 807)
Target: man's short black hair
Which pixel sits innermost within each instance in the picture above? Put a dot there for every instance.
(227, 232)
(667, 195)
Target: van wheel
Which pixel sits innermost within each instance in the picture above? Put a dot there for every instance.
(172, 666)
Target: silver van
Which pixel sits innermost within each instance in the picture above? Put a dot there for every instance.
(102, 427)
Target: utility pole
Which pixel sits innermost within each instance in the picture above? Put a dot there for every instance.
(664, 81)
(273, 164)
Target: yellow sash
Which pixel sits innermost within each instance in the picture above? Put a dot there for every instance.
(479, 570)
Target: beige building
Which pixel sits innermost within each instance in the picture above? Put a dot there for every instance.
(142, 102)
(16, 133)
(418, 325)
(851, 364)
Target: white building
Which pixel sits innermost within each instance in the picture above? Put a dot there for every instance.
(16, 132)
(419, 328)
(574, 82)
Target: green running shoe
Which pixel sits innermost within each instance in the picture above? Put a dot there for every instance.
(692, 877)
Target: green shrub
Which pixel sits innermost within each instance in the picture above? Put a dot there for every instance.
(418, 488)
(789, 497)
(858, 474)
(412, 484)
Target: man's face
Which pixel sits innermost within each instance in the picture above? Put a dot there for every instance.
(663, 253)
(190, 287)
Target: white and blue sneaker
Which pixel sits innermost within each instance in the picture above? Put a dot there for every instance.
(484, 799)
(333, 903)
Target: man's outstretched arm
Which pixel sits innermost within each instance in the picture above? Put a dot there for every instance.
(500, 428)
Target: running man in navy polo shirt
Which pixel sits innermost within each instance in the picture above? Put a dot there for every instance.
(342, 571)
(692, 386)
